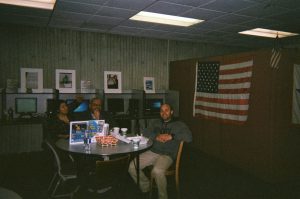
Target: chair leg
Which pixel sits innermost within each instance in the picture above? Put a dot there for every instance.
(177, 186)
(74, 192)
(71, 195)
(55, 188)
(52, 180)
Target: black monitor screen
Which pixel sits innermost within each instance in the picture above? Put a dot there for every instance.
(26, 105)
(82, 107)
(133, 108)
(153, 105)
(115, 105)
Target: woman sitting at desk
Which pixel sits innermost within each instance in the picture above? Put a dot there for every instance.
(60, 124)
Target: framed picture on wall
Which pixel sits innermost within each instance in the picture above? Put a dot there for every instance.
(112, 82)
(149, 85)
(31, 80)
(65, 80)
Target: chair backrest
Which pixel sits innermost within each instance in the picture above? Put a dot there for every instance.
(178, 158)
(55, 154)
(110, 171)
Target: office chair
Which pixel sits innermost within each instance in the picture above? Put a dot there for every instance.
(110, 173)
(65, 171)
(172, 171)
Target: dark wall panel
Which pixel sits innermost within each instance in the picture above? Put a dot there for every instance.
(267, 145)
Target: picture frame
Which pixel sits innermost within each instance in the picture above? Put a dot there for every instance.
(112, 82)
(65, 80)
(31, 80)
(149, 85)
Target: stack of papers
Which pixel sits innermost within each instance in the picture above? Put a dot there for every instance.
(144, 140)
(122, 138)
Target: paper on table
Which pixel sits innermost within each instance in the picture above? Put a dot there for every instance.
(144, 140)
(119, 137)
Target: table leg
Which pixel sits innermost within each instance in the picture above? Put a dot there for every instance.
(138, 170)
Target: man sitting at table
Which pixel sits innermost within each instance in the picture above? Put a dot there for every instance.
(166, 135)
(95, 112)
(86, 164)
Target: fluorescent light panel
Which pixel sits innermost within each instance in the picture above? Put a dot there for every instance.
(165, 19)
(43, 4)
(268, 33)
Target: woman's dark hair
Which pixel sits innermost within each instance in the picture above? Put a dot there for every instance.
(57, 105)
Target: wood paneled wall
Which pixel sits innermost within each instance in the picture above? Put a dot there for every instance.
(91, 53)
(268, 145)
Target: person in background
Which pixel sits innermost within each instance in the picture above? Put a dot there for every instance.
(166, 134)
(87, 164)
(59, 125)
(95, 112)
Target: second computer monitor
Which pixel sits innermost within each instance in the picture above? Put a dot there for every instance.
(115, 105)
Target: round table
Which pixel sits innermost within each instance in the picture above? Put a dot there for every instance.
(106, 151)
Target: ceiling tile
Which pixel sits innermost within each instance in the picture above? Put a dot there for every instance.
(233, 19)
(137, 24)
(105, 20)
(76, 7)
(204, 14)
(228, 5)
(59, 15)
(194, 3)
(65, 23)
(96, 2)
(210, 25)
(168, 8)
(261, 10)
(116, 12)
(130, 4)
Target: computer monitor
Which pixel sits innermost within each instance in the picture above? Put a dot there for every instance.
(81, 107)
(133, 108)
(115, 105)
(25, 106)
(152, 106)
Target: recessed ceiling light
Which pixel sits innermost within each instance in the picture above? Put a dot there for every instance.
(165, 19)
(268, 33)
(43, 4)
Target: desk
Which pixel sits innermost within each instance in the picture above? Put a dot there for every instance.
(20, 137)
(106, 151)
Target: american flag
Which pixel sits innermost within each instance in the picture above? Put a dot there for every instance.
(222, 91)
(275, 58)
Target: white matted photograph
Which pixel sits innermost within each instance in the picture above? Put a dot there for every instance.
(31, 79)
(112, 82)
(65, 80)
(149, 85)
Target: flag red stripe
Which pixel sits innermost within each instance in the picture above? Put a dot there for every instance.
(234, 91)
(230, 81)
(234, 71)
(226, 121)
(218, 110)
(224, 101)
